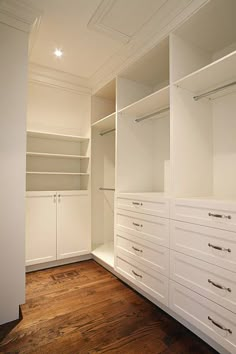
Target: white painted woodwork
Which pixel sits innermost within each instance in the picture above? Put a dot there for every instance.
(105, 252)
(205, 279)
(13, 93)
(144, 227)
(41, 231)
(144, 203)
(73, 224)
(150, 281)
(202, 211)
(145, 253)
(197, 241)
(196, 309)
(106, 123)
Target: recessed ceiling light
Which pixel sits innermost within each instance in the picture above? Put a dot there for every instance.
(58, 53)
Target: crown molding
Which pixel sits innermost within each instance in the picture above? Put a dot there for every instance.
(58, 79)
(175, 13)
(18, 14)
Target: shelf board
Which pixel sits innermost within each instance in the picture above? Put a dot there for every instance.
(44, 154)
(46, 135)
(105, 253)
(56, 173)
(211, 76)
(106, 123)
(149, 104)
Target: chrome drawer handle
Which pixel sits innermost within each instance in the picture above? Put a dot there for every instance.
(219, 286)
(137, 203)
(219, 325)
(136, 249)
(136, 274)
(219, 248)
(221, 216)
(136, 224)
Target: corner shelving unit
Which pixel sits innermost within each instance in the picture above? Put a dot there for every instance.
(56, 162)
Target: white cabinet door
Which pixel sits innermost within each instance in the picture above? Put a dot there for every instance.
(40, 227)
(73, 224)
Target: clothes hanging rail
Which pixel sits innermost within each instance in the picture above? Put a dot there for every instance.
(106, 189)
(208, 93)
(152, 114)
(107, 131)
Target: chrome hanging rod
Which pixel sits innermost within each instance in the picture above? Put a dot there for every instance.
(152, 114)
(106, 189)
(205, 94)
(107, 131)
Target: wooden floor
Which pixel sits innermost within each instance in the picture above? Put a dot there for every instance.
(82, 308)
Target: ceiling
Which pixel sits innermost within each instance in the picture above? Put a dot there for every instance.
(97, 35)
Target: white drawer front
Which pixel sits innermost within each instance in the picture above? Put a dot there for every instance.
(152, 283)
(211, 245)
(158, 207)
(147, 227)
(211, 213)
(145, 253)
(212, 319)
(215, 283)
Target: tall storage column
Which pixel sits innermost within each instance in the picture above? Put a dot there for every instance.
(13, 89)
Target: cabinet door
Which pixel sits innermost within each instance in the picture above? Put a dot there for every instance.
(73, 224)
(40, 227)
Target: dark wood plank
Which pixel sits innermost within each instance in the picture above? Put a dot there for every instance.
(83, 309)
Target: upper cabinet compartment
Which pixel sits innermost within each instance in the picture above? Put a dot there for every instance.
(104, 104)
(144, 78)
(205, 38)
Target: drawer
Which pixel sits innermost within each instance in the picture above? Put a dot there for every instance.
(213, 213)
(144, 252)
(212, 319)
(141, 203)
(151, 282)
(147, 227)
(211, 245)
(215, 283)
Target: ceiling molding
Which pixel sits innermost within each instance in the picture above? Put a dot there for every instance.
(18, 14)
(95, 23)
(58, 79)
(175, 12)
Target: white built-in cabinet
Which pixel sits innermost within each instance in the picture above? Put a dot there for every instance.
(57, 197)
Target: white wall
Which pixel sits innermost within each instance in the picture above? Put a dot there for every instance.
(58, 110)
(13, 89)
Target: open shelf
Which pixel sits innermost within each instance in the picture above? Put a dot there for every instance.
(45, 154)
(46, 135)
(56, 173)
(211, 76)
(149, 104)
(106, 123)
(105, 253)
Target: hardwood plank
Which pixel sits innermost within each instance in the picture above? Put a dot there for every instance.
(82, 309)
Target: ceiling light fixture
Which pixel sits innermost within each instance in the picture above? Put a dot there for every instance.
(58, 53)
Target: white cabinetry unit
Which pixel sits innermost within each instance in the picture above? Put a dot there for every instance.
(57, 226)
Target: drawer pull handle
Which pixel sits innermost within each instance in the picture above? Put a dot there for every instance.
(219, 286)
(222, 216)
(136, 249)
(136, 274)
(219, 248)
(136, 224)
(219, 325)
(137, 203)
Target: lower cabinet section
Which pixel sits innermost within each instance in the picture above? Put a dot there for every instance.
(57, 226)
(150, 281)
(212, 319)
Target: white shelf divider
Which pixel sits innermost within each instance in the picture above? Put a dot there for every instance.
(105, 253)
(56, 173)
(211, 76)
(149, 104)
(45, 154)
(105, 123)
(47, 135)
